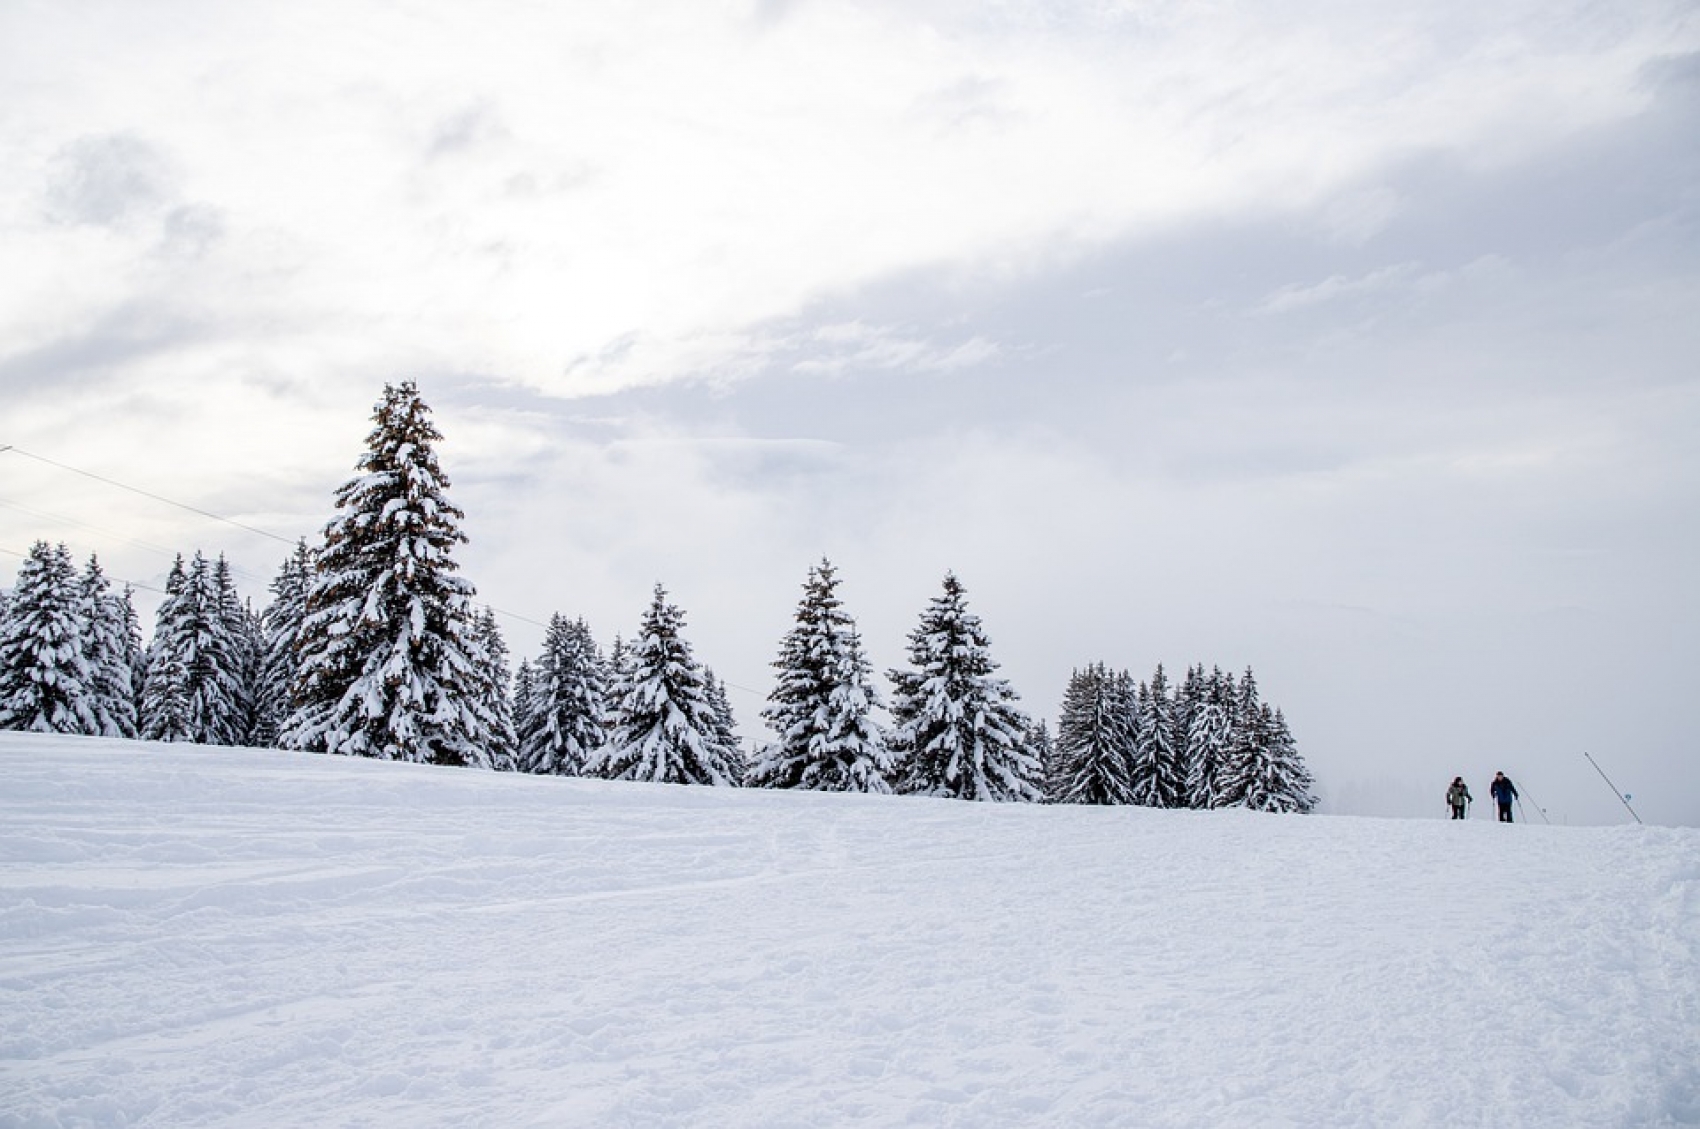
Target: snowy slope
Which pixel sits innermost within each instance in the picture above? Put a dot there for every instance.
(196, 937)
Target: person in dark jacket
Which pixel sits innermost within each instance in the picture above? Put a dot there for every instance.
(1458, 797)
(1503, 792)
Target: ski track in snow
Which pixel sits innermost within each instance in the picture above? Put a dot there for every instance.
(200, 937)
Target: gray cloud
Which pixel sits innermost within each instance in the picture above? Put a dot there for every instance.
(190, 231)
(469, 127)
(1414, 478)
(109, 180)
(100, 350)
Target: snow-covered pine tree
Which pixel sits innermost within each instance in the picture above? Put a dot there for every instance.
(200, 662)
(109, 650)
(1039, 740)
(1159, 771)
(1245, 774)
(525, 708)
(665, 729)
(137, 653)
(955, 726)
(504, 744)
(725, 726)
(237, 631)
(1209, 739)
(44, 670)
(822, 703)
(1265, 772)
(388, 651)
(1124, 699)
(619, 659)
(1241, 765)
(1245, 696)
(1187, 693)
(279, 624)
(165, 713)
(1092, 757)
(1291, 787)
(567, 720)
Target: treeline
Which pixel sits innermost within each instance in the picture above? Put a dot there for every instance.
(1209, 743)
(371, 646)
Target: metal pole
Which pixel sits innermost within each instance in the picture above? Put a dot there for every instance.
(1537, 804)
(1624, 800)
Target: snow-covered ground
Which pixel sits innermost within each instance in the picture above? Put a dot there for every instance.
(199, 936)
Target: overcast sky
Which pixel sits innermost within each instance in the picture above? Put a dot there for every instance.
(1356, 343)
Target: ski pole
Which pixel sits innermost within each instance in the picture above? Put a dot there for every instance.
(1538, 807)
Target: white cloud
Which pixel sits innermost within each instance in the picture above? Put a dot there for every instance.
(853, 345)
(1334, 288)
(507, 189)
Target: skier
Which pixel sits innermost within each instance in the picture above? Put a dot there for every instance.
(1458, 797)
(1503, 792)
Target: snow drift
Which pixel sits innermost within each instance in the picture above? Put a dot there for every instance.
(204, 936)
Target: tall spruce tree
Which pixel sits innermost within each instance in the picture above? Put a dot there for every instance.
(525, 709)
(1092, 756)
(1289, 784)
(1159, 754)
(822, 704)
(109, 648)
(725, 726)
(504, 744)
(238, 633)
(1209, 739)
(279, 625)
(565, 722)
(390, 663)
(1266, 772)
(201, 659)
(165, 713)
(1188, 695)
(1039, 740)
(1244, 773)
(665, 728)
(138, 655)
(45, 676)
(957, 731)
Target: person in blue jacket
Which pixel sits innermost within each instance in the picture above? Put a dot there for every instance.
(1503, 792)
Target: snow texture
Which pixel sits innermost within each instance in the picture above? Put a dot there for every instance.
(196, 936)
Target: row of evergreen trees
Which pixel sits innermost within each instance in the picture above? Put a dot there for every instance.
(72, 660)
(1210, 743)
(371, 647)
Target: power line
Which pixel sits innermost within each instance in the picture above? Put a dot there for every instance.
(215, 517)
(145, 493)
(182, 506)
(120, 579)
(237, 570)
(62, 520)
